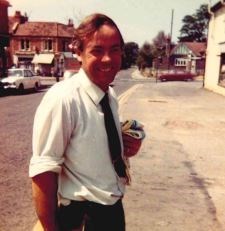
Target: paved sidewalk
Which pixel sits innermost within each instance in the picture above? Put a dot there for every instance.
(179, 174)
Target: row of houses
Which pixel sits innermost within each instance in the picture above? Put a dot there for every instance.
(40, 46)
(43, 47)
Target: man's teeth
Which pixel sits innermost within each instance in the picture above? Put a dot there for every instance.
(105, 69)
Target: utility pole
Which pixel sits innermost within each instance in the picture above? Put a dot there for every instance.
(171, 25)
(169, 40)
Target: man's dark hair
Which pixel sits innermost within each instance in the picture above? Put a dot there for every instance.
(89, 26)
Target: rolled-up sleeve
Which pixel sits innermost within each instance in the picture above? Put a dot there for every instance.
(51, 133)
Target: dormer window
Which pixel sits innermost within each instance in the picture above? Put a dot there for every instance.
(25, 44)
(48, 45)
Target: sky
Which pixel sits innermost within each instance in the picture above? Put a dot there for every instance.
(139, 20)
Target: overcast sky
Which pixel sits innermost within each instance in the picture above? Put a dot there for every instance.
(138, 20)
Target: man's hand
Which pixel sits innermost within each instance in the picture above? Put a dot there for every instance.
(131, 145)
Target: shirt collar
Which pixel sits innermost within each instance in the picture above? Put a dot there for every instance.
(94, 92)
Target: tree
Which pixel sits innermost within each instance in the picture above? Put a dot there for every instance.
(160, 40)
(145, 56)
(195, 26)
(160, 45)
(130, 54)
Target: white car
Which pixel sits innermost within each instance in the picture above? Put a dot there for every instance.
(21, 79)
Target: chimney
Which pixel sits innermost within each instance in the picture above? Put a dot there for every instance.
(70, 22)
(20, 18)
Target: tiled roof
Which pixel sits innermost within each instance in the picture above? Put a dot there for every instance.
(198, 48)
(42, 29)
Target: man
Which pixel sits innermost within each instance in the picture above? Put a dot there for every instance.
(74, 178)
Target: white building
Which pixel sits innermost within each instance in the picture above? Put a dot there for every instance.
(215, 54)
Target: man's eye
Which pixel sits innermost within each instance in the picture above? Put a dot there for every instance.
(116, 50)
(96, 51)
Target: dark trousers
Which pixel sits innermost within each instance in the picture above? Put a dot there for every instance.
(96, 217)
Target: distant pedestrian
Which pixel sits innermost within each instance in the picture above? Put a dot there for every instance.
(52, 72)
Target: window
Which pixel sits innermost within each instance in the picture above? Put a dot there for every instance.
(222, 70)
(27, 73)
(181, 62)
(25, 44)
(12, 72)
(48, 45)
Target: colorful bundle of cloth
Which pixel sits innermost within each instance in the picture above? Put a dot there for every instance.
(134, 129)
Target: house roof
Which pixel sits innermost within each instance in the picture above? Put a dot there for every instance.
(41, 29)
(20, 26)
(15, 20)
(197, 48)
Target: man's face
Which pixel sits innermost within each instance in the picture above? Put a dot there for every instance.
(101, 56)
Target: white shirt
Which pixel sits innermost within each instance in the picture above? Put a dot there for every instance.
(69, 138)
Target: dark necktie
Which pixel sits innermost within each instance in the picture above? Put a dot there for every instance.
(113, 138)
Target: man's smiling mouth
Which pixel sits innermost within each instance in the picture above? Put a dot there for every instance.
(106, 69)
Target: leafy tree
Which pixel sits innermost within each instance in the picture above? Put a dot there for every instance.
(130, 54)
(160, 40)
(145, 56)
(195, 26)
(160, 45)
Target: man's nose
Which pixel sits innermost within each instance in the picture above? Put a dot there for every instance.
(106, 57)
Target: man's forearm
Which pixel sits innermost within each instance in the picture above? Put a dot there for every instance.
(44, 188)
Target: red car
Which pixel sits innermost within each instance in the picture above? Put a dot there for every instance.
(176, 76)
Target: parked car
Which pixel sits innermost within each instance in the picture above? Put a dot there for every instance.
(176, 76)
(69, 73)
(21, 79)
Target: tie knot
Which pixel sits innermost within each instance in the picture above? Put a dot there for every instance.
(105, 100)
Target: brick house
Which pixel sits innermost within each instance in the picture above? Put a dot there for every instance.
(4, 37)
(189, 56)
(41, 46)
